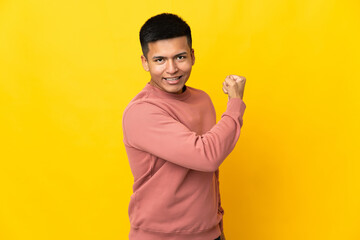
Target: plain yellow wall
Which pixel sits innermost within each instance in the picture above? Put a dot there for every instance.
(69, 68)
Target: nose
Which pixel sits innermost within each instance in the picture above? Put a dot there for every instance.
(171, 67)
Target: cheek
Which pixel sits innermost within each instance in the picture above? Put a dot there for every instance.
(157, 70)
(186, 67)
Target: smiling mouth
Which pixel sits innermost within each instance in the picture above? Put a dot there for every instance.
(173, 78)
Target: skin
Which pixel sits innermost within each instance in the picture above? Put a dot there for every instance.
(173, 58)
(169, 58)
(234, 86)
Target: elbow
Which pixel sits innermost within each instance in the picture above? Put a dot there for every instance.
(212, 166)
(211, 162)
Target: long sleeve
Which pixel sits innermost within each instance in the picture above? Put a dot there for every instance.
(147, 127)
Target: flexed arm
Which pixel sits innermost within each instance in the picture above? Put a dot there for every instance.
(149, 128)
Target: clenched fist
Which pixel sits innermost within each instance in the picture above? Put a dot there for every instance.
(234, 86)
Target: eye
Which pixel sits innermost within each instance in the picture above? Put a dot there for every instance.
(159, 60)
(181, 57)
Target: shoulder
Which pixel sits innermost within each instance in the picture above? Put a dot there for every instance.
(139, 102)
(199, 93)
(141, 108)
(203, 97)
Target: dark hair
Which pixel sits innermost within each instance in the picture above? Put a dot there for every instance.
(163, 26)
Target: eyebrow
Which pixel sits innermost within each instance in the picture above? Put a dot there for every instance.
(155, 57)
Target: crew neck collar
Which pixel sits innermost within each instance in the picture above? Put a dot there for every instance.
(160, 93)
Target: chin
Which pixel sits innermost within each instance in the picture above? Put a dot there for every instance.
(174, 90)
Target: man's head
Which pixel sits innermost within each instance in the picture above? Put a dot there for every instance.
(168, 56)
(163, 26)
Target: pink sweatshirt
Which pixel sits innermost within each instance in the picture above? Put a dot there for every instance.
(175, 148)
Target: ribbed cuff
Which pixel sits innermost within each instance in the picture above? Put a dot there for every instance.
(235, 109)
(236, 105)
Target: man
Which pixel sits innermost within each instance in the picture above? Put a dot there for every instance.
(173, 143)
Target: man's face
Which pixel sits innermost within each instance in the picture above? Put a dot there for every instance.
(169, 62)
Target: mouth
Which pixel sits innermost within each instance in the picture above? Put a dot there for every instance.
(173, 80)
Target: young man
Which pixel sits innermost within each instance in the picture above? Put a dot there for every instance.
(173, 143)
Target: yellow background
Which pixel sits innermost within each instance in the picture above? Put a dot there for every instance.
(69, 68)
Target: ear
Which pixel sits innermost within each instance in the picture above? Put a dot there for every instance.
(192, 56)
(145, 63)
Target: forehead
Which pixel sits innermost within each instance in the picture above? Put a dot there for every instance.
(168, 47)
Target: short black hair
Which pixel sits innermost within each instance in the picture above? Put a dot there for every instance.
(163, 26)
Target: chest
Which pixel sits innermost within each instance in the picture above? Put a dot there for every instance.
(199, 117)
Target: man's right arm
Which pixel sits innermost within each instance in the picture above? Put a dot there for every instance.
(149, 128)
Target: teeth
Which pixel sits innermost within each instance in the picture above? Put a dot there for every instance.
(172, 79)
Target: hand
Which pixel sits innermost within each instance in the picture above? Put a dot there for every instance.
(234, 86)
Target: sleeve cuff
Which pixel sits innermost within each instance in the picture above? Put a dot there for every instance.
(235, 109)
